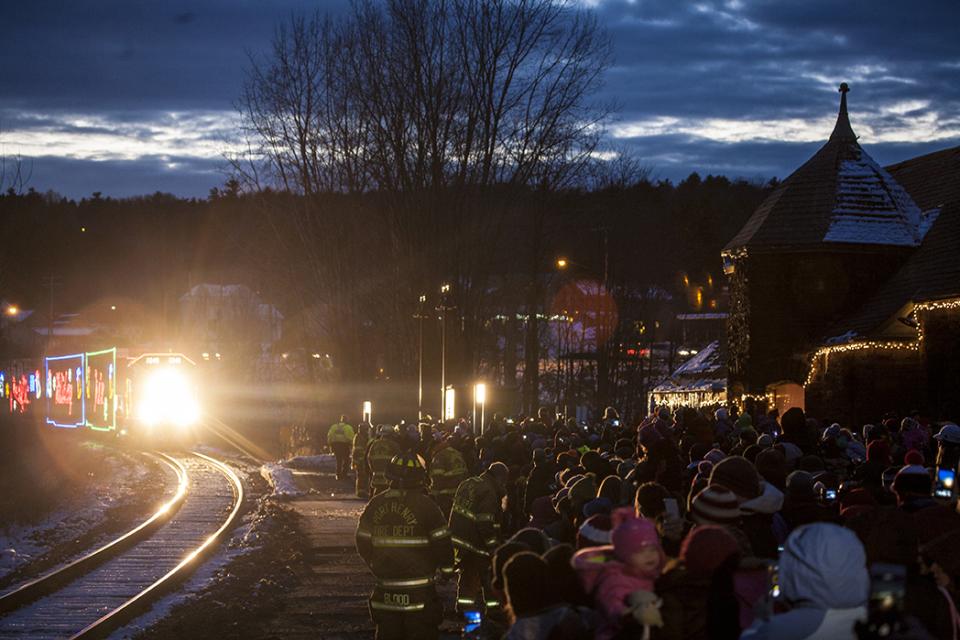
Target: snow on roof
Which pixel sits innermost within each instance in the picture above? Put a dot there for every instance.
(927, 218)
(701, 384)
(871, 207)
(839, 195)
(707, 360)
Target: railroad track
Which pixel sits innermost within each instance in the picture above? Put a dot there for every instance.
(105, 589)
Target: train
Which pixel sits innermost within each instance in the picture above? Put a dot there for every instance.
(142, 395)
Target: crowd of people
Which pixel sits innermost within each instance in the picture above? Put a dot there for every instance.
(685, 524)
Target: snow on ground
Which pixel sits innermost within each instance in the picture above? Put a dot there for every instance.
(19, 544)
(280, 475)
(280, 479)
(322, 462)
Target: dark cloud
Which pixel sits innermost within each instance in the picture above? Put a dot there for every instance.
(134, 64)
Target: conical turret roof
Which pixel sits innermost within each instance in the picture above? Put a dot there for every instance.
(840, 195)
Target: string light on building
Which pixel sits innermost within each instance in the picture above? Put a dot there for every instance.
(932, 305)
(880, 345)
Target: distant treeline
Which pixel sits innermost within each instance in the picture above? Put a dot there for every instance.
(102, 246)
(152, 249)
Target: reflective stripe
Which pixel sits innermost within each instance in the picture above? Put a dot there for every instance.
(413, 582)
(491, 541)
(364, 534)
(446, 570)
(382, 541)
(493, 603)
(476, 517)
(460, 542)
(442, 532)
(466, 601)
(397, 607)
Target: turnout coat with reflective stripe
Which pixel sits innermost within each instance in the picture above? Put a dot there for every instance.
(447, 470)
(379, 454)
(475, 517)
(358, 454)
(404, 539)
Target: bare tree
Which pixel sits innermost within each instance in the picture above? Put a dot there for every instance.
(443, 113)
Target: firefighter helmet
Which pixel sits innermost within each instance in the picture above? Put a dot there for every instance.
(407, 468)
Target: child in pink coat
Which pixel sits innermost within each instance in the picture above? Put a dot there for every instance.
(610, 574)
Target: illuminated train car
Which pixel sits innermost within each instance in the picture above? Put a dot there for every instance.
(161, 396)
(151, 396)
(21, 387)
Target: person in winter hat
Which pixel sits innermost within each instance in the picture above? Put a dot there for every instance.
(534, 606)
(612, 573)
(759, 501)
(801, 505)
(912, 435)
(498, 561)
(823, 575)
(595, 531)
(913, 457)
(697, 589)
(772, 466)
(912, 486)
(715, 505)
(722, 426)
(563, 577)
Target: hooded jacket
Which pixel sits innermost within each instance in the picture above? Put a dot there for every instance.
(606, 576)
(609, 583)
(762, 522)
(823, 574)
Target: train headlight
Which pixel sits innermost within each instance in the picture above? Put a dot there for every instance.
(167, 397)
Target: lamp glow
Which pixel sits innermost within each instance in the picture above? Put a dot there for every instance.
(367, 410)
(449, 411)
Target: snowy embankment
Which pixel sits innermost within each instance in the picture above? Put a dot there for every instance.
(280, 475)
(119, 485)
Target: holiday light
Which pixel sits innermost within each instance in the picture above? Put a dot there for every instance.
(101, 389)
(888, 345)
(65, 385)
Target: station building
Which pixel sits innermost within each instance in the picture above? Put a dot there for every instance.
(845, 286)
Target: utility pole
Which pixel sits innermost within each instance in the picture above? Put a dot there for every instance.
(51, 282)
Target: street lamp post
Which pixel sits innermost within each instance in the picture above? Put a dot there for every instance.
(420, 318)
(449, 398)
(444, 291)
(479, 397)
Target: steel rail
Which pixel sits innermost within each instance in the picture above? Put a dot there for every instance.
(54, 580)
(143, 600)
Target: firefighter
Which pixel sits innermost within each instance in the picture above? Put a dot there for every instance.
(447, 470)
(475, 522)
(379, 454)
(340, 437)
(359, 459)
(404, 540)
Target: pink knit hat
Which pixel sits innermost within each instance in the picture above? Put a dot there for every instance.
(631, 534)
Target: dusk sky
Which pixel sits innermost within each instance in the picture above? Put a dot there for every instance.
(130, 98)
